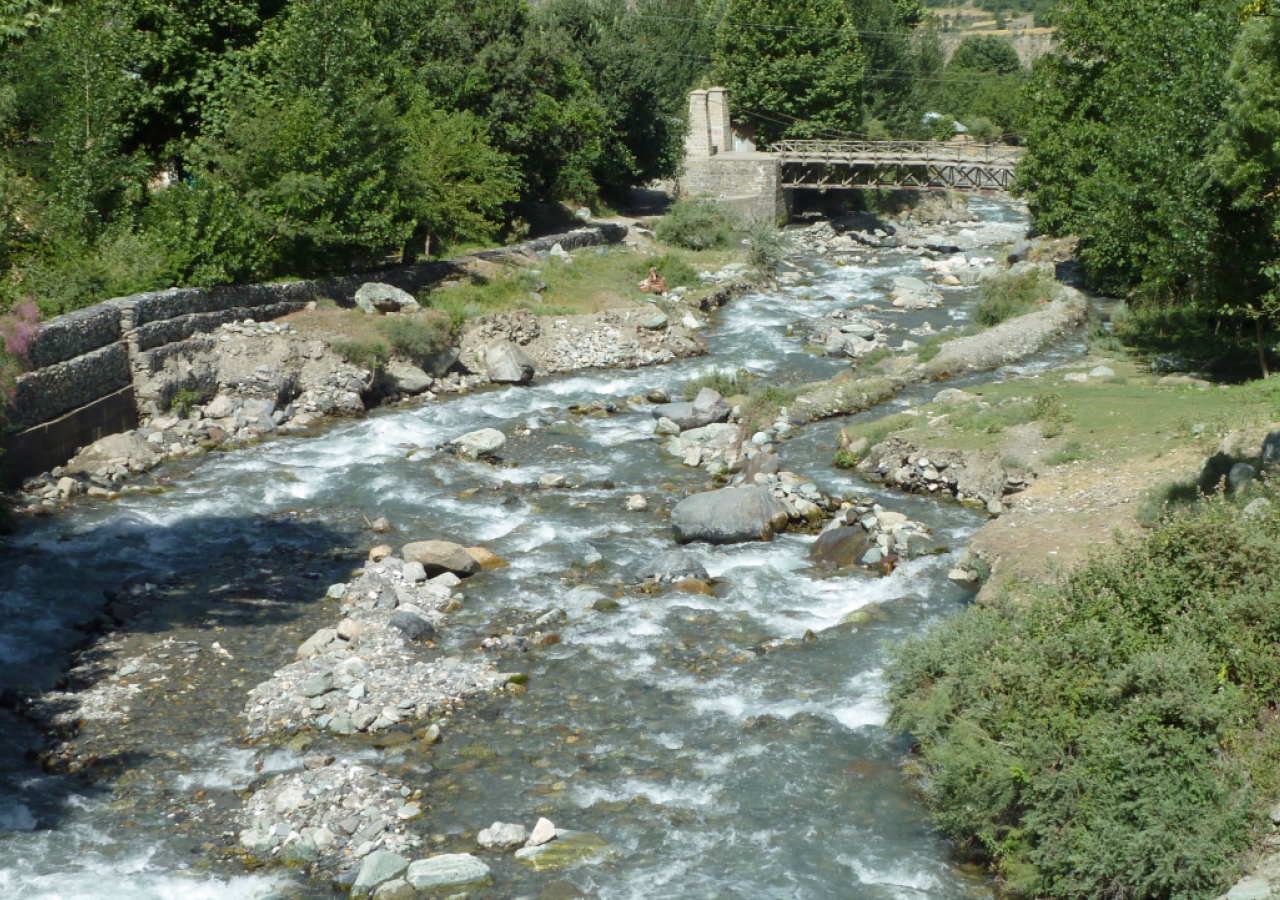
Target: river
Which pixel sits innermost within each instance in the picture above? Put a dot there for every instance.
(716, 769)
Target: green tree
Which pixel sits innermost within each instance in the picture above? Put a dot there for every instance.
(1126, 112)
(1247, 162)
(794, 68)
(986, 53)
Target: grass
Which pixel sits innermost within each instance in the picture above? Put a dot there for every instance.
(761, 403)
(1007, 296)
(725, 382)
(1071, 452)
(1049, 720)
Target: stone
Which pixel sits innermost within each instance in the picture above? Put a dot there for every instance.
(728, 516)
(301, 851)
(406, 378)
(414, 572)
(1102, 372)
(671, 565)
(380, 552)
(376, 298)
(448, 580)
(1076, 377)
(341, 724)
(396, 889)
(840, 547)
(666, 426)
(1252, 888)
(437, 557)
(413, 627)
(479, 444)
(568, 848)
(432, 734)
(447, 870)
(637, 503)
(317, 643)
(655, 321)
(1271, 449)
(318, 684)
(506, 363)
(130, 446)
(543, 831)
(486, 559)
(378, 867)
(381, 525)
(219, 407)
(502, 836)
(695, 586)
(551, 480)
(708, 407)
(1240, 476)
(1258, 507)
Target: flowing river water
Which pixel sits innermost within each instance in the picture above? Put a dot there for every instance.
(716, 770)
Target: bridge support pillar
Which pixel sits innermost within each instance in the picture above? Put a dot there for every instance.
(750, 183)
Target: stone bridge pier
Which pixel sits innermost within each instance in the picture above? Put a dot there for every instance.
(724, 165)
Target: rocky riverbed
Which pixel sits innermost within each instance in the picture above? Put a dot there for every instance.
(705, 725)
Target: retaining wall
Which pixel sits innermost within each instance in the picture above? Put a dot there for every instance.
(86, 363)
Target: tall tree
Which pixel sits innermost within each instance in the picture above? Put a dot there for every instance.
(794, 68)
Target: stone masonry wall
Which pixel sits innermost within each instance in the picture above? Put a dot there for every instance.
(748, 182)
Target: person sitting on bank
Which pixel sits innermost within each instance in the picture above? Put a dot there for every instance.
(654, 284)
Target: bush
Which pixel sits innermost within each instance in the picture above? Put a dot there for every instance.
(1070, 452)
(725, 382)
(767, 247)
(1048, 409)
(183, 400)
(1011, 295)
(417, 338)
(696, 225)
(371, 353)
(1112, 735)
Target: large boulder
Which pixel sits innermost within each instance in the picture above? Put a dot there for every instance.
(378, 867)
(707, 408)
(672, 565)
(440, 362)
(129, 449)
(376, 298)
(479, 444)
(437, 557)
(406, 378)
(842, 548)
(728, 516)
(448, 870)
(506, 363)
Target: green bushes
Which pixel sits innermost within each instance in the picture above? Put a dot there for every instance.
(1007, 296)
(1112, 735)
(767, 247)
(696, 225)
(725, 382)
(418, 337)
(367, 353)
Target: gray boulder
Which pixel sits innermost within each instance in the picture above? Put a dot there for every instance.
(447, 870)
(406, 378)
(506, 364)
(728, 516)
(440, 362)
(707, 408)
(673, 565)
(502, 836)
(479, 444)
(437, 557)
(1271, 449)
(413, 627)
(378, 866)
(1240, 476)
(114, 448)
(376, 298)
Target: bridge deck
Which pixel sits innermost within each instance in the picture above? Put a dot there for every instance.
(872, 164)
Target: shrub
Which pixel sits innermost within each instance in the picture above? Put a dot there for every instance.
(183, 400)
(767, 247)
(1048, 409)
(845, 459)
(1070, 452)
(1007, 296)
(417, 337)
(1111, 735)
(696, 225)
(370, 353)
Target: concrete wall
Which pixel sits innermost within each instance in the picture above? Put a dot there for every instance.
(87, 363)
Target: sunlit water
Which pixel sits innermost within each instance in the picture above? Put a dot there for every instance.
(716, 769)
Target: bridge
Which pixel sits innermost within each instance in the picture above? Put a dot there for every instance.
(860, 165)
(720, 162)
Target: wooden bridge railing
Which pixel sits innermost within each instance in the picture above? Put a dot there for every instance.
(913, 164)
